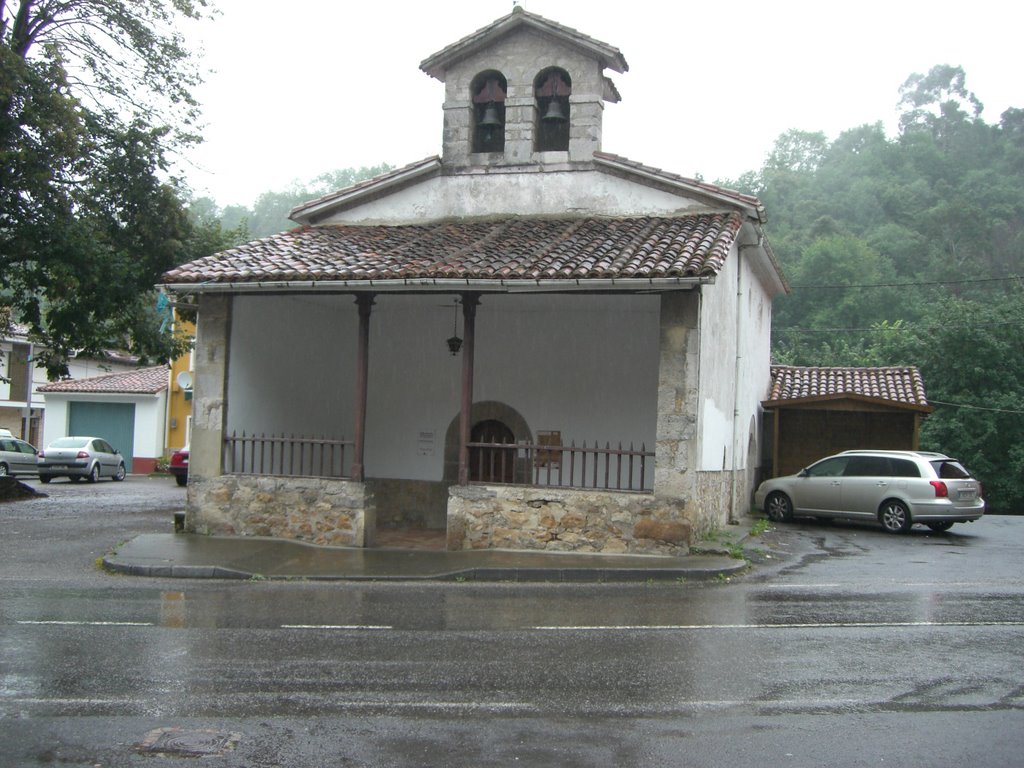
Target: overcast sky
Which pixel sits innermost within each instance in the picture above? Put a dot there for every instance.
(307, 86)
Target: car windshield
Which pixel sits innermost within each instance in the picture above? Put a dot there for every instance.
(70, 442)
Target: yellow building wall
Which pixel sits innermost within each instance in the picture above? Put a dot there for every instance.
(179, 400)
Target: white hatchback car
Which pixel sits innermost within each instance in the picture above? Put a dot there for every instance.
(896, 488)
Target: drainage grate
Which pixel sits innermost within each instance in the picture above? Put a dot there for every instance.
(188, 743)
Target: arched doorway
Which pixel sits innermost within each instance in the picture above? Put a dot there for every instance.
(492, 465)
(486, 410)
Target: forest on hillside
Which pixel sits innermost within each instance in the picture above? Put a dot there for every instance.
(909, 251)
(902, 250)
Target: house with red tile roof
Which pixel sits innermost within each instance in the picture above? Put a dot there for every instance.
(22, 405)
(526, 341)
(816, 411)
(127, 409)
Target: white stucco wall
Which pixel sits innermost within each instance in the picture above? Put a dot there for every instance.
(586, 366)
(519, 193)
(731, 395)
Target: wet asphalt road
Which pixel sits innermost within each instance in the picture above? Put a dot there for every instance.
(842, 646)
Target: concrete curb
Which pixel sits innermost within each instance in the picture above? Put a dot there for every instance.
(190, 556)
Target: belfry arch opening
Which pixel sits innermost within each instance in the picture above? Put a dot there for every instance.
(488, 100)
(551, 89)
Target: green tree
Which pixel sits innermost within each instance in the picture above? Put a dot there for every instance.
(904, 251)
(269, 214)
(938, 102)
(94, 96)
(971, 356)
(828, 299)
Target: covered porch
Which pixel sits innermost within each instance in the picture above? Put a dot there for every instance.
(345, 415)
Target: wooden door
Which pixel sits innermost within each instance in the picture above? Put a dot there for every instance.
(492, 465)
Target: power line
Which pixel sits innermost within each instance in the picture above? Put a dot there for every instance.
(923, 284)
(978, 408)
(902, 328)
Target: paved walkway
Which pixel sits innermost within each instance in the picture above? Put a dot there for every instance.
(183, 555)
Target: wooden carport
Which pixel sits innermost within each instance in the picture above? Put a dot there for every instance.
(816, 411)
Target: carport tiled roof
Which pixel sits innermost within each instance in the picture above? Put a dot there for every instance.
(900, 386)
(512, 249)
(144, 381)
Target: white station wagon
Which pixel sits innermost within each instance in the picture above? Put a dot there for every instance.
(896, 488)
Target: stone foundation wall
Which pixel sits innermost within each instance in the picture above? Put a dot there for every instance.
(564, 520)
(318, 510)
(709, 509)
(410, 503)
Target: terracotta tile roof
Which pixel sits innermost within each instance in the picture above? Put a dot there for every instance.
(144, 381)
(898, 385)
(525, 249)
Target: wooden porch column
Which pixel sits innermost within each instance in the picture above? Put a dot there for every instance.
(364, 301)
(469, 303)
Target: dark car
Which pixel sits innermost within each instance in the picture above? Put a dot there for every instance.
(78, 458)
(179, 465)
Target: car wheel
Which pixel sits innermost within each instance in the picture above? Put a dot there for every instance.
(4, 470)
(44, 478)
(182, 480)
(895, 517)
(945, 525)
(778, 507)
(119, 475)
(94, 473)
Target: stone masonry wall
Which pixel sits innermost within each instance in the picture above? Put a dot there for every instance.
(709, 509)
(318, 510)
(564, 520)
(520, 56)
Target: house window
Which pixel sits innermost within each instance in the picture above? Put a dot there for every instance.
(488, 90)
(551, 90)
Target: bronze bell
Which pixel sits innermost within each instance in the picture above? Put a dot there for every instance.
(490, 118)
(554, 113)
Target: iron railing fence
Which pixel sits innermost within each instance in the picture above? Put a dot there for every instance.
(563, 466)
(516, 463)
(285, 455)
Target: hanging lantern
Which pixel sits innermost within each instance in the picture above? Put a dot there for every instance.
(454, 342)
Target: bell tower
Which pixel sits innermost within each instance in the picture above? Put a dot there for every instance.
(523, 91)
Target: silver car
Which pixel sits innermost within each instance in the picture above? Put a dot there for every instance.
(80, 457)
(16, 457)
(896, 488)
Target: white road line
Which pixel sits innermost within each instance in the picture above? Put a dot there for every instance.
(352, 704)
(852, 584)
(815, 625)
(801, 586)
(336, 626)
(92, 623)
